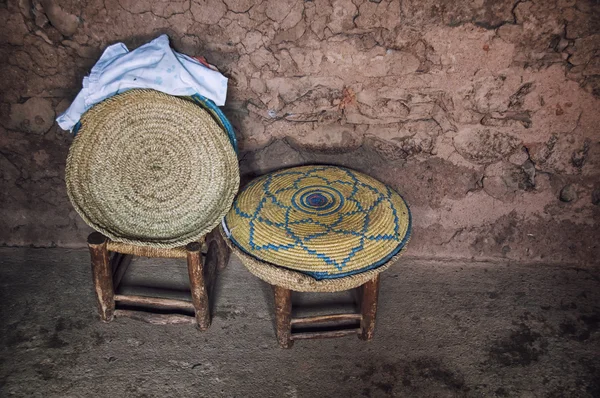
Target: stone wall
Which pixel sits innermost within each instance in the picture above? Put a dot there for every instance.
(484, 114)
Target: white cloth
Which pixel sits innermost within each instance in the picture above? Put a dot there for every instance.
(154, 65)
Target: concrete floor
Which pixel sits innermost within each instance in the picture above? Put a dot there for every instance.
(444, 330)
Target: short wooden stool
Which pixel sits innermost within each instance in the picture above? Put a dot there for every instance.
(286, 335)
(153, 172)
(110, 261)
(319, 229)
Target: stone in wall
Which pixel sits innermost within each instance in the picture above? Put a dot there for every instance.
(562, 154)
(399, 141)
(504, 180)
(34, 116)
(485, 145)
(332, 137)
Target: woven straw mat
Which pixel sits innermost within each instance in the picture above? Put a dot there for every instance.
(324, 222)
(151, 169)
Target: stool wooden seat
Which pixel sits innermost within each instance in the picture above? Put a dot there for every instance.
(318, 229)
(110, 261)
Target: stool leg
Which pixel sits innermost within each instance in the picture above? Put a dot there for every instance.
(283, 316)
(223, 251)
(197, 285)
(368, 308)
(102, 275)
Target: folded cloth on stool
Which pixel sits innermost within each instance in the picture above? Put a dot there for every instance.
(155, 66)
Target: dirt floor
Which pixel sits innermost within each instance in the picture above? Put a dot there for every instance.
(444, 330)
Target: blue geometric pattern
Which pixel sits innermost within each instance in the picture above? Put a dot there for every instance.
(325, 221)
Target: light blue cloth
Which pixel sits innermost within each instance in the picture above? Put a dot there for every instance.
(155, 66)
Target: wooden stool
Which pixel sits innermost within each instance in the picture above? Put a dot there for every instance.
(108, 271)
(365, 319)
(319, 229)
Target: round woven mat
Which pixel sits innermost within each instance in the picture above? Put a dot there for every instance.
(325, 222)
(151, 169)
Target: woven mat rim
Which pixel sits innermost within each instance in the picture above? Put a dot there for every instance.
(218, 115)
(300, 282)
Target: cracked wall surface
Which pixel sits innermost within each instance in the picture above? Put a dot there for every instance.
(484, 115)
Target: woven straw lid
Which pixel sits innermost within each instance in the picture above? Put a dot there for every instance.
(324, 222)
(151, 169)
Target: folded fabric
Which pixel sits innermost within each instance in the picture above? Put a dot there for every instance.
(155, 66)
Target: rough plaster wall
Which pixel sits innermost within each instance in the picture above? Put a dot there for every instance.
(483, 114)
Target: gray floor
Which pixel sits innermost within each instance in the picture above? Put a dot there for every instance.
(444, 330)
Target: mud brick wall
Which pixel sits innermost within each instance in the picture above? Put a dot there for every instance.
(484, 114)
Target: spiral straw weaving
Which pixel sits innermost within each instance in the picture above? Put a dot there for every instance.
(327, 223)
(151, 169)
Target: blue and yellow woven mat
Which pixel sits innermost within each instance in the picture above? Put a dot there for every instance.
(324, 221)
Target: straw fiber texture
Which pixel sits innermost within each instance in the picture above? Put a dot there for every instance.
(325, 222)
(147, 251)
(151, 169)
